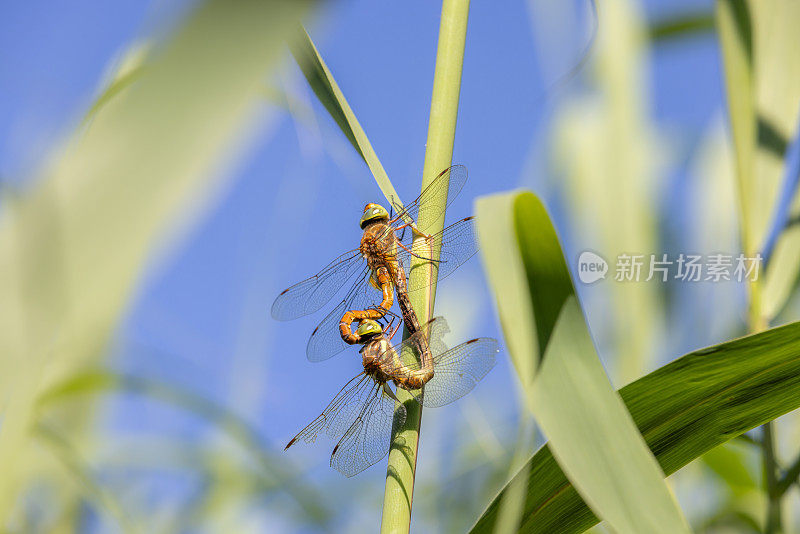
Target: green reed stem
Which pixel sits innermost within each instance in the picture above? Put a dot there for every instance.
(399, 492)
(768, 459)
(769, 463)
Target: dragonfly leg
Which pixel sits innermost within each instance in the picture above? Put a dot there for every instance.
(416, 230)
(392, 317)
(417, 255)
(390, 393)
(392, 328)
(411, 225)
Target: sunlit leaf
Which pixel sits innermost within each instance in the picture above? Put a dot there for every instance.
(736, 39)
(682, 26)
(125, 73)
(683, 410)
(327, 90)
(73, 248)
(783, 240)
(778, 106)
(589, 429)
(763, 93)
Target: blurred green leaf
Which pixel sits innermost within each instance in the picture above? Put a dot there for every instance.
(610, 189)
(736, 40)
(727, 519)
(105, 501)
(274, 468)
(729, 463)
(681, 26)
(739, 497)
(683, 410)
(763, 91)
(589, 429)
(74, 247)
(777, 83)
(321, 80)
(128, 71)
(790, 476)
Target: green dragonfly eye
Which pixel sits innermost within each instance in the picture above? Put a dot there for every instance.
(368, 328)
(373, 212)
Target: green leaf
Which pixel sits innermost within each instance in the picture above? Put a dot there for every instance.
(682, 410)
(516, 311)
(321, 80)
(92, 490)
(729, 463)
(763, 91)
(272, 468)
(73, 247)
(594, 438)
(736, 40)
(124, 75)
(590, 431)
(506, 274)
(609, 189)
(681, 26)
(105, 502)
(777, 83)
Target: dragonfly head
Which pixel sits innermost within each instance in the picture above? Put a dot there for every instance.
(372, 213)
(368, 329)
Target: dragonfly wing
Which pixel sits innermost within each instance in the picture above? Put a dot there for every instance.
(410, 350)
(367, 439)
(428, 206)
(456, 371)
(312, 293)
(325, 341)
(340, 412)
(457, 243)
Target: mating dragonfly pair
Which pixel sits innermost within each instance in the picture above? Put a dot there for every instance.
(364, 411)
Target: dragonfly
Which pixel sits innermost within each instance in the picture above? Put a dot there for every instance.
(383, 261)
(361, 416)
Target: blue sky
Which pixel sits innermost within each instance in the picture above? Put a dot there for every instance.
(201, 316)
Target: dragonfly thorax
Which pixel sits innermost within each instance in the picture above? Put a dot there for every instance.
(375, 356)
(378, 244)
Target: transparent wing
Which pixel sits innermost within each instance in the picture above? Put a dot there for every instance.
(410, 350)
(325, 341)
(340, 413)
(458, 243)
(367, 440)
(427, 206)
(456, 371)
(312, 293)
